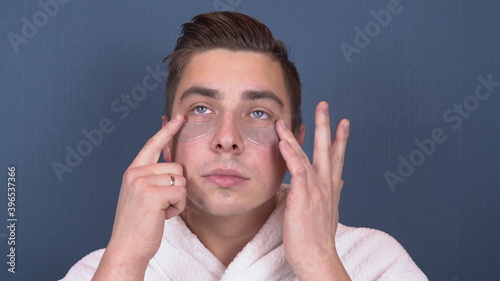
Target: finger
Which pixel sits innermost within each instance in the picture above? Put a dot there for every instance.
(295, 166)
(155, 169)
(151, 151)
(167, 180)
(166, 197)
(322, 152)
(177, 205)
(338, 149)
(284, 133)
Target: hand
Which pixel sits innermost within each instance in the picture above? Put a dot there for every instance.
(146, 200)
(311, 213)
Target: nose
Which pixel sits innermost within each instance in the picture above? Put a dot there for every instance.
(227, 136)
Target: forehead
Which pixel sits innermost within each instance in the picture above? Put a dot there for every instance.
(233, 73)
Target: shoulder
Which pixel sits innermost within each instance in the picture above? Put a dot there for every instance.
(352, 238)
(85, 268)
(370, 254)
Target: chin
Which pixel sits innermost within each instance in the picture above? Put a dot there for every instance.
(220, 209)
(222, 204)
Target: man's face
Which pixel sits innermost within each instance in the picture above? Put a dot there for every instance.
(227, 173)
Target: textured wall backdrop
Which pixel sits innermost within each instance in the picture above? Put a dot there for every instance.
(82, 84)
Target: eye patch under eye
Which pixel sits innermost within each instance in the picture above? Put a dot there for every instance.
(193, 130)
(264, 136)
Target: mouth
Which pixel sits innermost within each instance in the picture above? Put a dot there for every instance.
(226, 177)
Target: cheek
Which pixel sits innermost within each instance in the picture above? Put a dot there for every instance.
(181, 151)
(273, 164)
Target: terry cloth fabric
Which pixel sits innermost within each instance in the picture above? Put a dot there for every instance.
(367, 254)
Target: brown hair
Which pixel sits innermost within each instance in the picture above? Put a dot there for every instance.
(235, 32)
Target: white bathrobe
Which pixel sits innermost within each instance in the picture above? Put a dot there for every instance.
(367, 254)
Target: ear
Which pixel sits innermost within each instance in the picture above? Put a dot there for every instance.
(167, 155)
(300, 134)
(164, 120)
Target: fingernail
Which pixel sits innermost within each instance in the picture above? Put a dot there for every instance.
(283, 124)
(346, 127)
(325, 108)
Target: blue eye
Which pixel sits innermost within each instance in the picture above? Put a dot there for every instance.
(259, 114)
(201, 110)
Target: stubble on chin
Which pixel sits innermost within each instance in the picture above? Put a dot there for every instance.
(220, 202)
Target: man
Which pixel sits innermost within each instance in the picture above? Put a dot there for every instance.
(216, 209)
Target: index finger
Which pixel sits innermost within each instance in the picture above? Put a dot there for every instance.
(150, 153)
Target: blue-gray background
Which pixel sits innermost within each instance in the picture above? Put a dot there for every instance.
(84, 55)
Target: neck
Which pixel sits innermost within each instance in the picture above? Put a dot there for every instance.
(226, 236)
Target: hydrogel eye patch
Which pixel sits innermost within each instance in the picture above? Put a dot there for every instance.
(264, 136)
(193, 130)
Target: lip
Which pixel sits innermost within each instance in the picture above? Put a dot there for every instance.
(225, 177)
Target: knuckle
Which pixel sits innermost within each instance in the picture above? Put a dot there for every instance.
(182, 182)
(325, 122)
(322, 150)
(130, 174)
(299, 171)
(303, 157)
(177, 168)
(339, 159)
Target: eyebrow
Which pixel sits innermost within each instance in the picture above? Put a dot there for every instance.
(248, 95)
(264, 95)
(200, 91)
